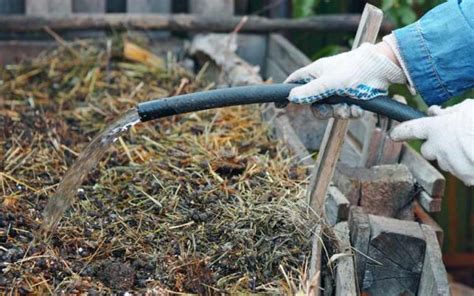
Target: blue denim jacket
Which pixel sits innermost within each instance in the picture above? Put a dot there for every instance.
(438, 51)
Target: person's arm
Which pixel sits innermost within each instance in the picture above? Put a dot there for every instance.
(437, 51)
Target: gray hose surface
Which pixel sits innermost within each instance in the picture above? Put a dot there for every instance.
(266, 93)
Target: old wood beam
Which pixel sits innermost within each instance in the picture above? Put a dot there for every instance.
(180, 22)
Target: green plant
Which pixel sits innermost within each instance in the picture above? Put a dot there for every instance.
(304, 8)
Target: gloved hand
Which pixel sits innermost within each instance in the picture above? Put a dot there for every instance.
(363, 73)
(449, 135)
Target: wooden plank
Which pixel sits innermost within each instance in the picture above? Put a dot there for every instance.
(360, 236)
(336, 130)
(425, 218)
(315, 263)
(274, 71)
(427, 176)
(12, 7)
(48, 7)
(88, 6)
(386, 190)
(177, 22)
(430, 204)
(288, 57)
(17, 51)
(212, 7)
(336, 206)
(396, 251)
(253, 49)
(286, 133)
(345, 274)
(434, 278)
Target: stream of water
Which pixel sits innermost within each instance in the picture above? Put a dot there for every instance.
(86, 161)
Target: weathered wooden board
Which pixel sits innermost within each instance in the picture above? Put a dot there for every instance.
(386, 190)
(360, 235)
(396, 251)
(88, 6)
(427, 176)
(314, 284)
(48, 7)
(16, 51)
(285, 58)
(434, 279)
(345, 274)
(425, 218)
(336, 129)
(336, 206)
(429, 203)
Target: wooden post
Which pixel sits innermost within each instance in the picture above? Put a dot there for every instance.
(48, 7)
(345, 274)
(336, 130)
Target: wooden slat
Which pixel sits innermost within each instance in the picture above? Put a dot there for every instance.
(16, 51)
(360, 236)
(176, 22)
(288, 57)
(345, 273)
(336, 206)
(425, 218)
(48, 7)
(315, 263)
(427, 176)
(336, 130)
(88, 6)
(430, 204)
(434, 278)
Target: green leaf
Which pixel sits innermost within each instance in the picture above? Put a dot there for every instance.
(327, 51)
(304, 8)
(387, 4)
(407, 15)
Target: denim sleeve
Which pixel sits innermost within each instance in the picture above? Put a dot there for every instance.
(438, 51)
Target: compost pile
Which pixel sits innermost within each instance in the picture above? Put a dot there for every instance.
(202, 202)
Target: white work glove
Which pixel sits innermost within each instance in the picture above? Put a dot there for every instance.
(449, 135)
(363, 73)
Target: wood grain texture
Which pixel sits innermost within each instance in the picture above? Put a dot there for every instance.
(336, 129)
(425, 218)
(315, 263)
(427, 176)
(345, 274)
(396, 252)
(434, 278)
(177, 22)
(360, 235)
(429, 204)
(336, 206)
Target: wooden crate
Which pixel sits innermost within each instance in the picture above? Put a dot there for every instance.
(302, 133)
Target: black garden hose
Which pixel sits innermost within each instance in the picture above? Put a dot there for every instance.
(266, 93)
